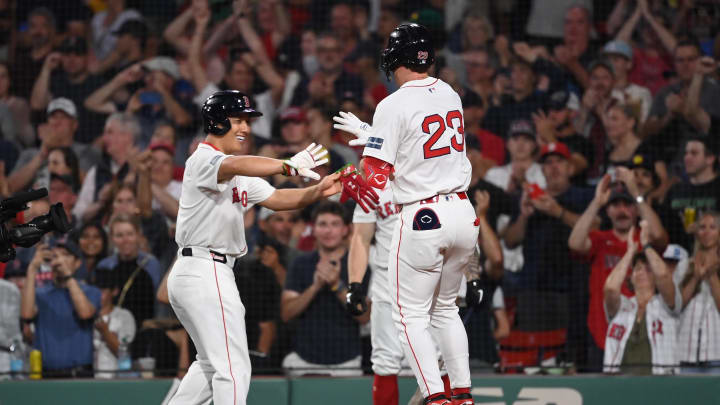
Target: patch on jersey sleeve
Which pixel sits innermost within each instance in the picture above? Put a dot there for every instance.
(425, 219)
(374, 143)
(214, 160)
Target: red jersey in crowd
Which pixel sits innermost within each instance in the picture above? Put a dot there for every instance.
(605, 253)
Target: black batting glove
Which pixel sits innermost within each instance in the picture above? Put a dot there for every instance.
(355, 301)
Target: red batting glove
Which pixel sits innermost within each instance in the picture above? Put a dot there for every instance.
(355, 187)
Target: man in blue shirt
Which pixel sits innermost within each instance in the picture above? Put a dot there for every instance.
(63, 311)
(327, 339)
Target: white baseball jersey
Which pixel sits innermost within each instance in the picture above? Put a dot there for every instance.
(211, 213)
(699, 328)
(384, 219)
(419, 130)
(662, 326)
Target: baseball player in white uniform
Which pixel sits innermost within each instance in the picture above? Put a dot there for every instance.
(218, 188)
(417, 135)
(387, 353)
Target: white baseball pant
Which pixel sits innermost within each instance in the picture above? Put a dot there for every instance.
(425, 270)
(206, 300)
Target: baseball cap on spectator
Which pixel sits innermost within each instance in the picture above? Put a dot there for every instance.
(162, 146)
(644, 161)
(619, 192)
(293, 114)
(604, 63)
(618, 47)
(106, 278)
(554, 148)
(74, 45)
(15, 268)
(134, 27)
(675, 252)
(562, 99)
(522, 128)
(63, 104)
(67, 179)
(351, 96)
(164, 64)
(66, 243)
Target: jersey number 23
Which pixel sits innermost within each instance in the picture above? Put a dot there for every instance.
(452, 119)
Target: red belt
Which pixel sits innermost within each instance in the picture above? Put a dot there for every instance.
(461, 195)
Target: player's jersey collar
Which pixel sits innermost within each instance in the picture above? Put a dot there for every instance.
(210, 145)
(421, 83)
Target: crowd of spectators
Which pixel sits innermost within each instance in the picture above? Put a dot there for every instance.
(592, 126)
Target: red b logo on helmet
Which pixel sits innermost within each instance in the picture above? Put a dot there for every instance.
(246, 101)
(422, 55)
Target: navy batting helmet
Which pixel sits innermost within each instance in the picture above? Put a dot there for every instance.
(408, 45)
(224, 104)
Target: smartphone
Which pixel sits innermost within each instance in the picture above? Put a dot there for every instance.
(150, 98)
(535, 191)
(613, 174)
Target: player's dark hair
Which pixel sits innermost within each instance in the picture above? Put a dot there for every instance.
(330, 207)
(418, 68)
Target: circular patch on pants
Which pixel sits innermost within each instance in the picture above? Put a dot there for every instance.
(425, 219)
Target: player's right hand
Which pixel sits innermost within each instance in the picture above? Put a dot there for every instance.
(348, 122)
(355, 299)
(309, 158)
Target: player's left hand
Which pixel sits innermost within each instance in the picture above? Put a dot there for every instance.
(355, 187)
(355, 301)
(309, 158)
(348, 122)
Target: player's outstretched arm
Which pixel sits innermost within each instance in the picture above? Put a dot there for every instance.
(294, 198)
(258, 166)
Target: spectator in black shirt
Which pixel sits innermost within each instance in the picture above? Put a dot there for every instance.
(137, 293)
(699, 193)
(28, 62)
(327, 339)
(525, 100)
(72, 81)
(543, 226)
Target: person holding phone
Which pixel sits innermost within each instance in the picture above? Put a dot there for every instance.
(543, 224)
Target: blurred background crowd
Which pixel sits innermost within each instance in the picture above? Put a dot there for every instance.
(593, 125)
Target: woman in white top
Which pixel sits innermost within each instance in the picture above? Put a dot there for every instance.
(641, 337)
(698, 343)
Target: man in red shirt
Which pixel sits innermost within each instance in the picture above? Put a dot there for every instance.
(604, 249)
